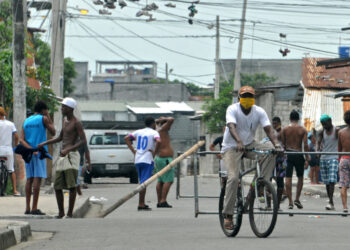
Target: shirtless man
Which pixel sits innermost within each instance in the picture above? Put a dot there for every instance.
(344, 165)
(67, 165)
(293, 136)
(164, 157)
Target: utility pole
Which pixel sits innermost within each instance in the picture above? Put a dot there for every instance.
(237, 79)
(59, 8)
(166, 74)
(217, 58)
(19, 13)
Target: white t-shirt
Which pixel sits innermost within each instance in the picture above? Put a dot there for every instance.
(246, 125)
(145, 144)
(7, 129)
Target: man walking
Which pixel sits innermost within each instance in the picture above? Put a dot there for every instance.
(34, 133)
(8, 131)
(147, 141)
(344, 165)
(293, 137)
(165, 156)
(242, 120)
(73, 137)
(328, 142)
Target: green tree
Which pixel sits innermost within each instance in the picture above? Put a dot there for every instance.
(215, 115)
(41, 52)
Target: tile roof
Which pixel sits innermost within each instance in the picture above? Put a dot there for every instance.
(322, 78)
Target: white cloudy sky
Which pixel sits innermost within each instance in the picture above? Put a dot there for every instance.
(312, 27)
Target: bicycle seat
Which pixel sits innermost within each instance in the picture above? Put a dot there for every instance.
(3, 158)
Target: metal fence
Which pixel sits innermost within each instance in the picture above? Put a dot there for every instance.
(196, 196)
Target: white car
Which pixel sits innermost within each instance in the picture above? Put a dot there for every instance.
(110, 156)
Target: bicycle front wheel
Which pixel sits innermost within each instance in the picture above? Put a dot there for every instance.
(263, 208)
(237, 213)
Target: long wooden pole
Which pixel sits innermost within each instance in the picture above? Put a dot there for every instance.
(150, 180)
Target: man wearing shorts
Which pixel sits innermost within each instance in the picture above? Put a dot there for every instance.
(344, 165)
(328, 142)
(165, 156)
(7, 132)
(281, 161)
(293, 137)
(34, 133)
(242, 121)
(147, 146)
(73, 137)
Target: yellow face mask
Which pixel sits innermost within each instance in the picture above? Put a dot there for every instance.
(247, 102)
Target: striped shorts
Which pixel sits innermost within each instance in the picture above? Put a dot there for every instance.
(329, 171)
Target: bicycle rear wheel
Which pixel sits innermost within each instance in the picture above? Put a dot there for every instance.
(3, 181)
(263, 208)
(237, 213)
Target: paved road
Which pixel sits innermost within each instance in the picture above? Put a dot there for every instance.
(176, 228)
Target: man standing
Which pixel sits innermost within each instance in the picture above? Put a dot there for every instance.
(73, 137)
(165, 156)
(222, 169)
(328, 142)
(34, 133)
(147, 141)
(293, 137)
(344, 166)
(7, 132)
(281, 161)
(242, 120)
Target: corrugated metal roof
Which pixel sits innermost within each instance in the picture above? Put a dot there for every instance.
(317, 102)
(320, 77)
(196, 105)
(175, 106)
(102, 106)
(136, 110)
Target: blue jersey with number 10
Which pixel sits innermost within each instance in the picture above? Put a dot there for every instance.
(145, 144)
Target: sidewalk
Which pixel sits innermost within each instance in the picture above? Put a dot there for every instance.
(12, 209)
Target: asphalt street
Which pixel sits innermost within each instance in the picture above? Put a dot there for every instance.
(177, 228)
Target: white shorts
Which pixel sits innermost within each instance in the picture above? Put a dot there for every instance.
(10, 161)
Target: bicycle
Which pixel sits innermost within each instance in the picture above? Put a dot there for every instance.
(262, 208)
(3, 175)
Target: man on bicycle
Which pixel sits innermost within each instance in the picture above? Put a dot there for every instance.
(242, 120)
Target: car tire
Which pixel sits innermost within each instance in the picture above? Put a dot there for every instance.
(134, 177)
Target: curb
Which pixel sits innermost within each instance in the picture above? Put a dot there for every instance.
(13, 232)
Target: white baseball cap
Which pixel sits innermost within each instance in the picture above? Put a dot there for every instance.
(70, 102)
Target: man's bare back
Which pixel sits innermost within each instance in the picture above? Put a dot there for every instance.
(165, 148)
(344, 140)
(293, 136)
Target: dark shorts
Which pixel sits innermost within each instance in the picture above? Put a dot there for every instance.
(297, 162)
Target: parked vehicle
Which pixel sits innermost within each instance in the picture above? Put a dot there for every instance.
(110, 156)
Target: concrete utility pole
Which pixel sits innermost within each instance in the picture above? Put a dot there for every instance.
(59, 8)
(237, 79)
(166, 74)
(19, 13)
(217, 58)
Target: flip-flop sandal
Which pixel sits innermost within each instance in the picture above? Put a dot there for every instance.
(145, 208)
(37, 212)
(345, 211)
(228, 224)
(17, 194)
(164, 204)
(27, 212)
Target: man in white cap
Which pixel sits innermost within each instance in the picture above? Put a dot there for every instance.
(67, 165)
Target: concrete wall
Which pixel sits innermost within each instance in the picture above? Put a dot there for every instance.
(81, 81)
(139, 92)
(286, 70)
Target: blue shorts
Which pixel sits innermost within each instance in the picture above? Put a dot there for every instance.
(144, 170)
(329, 171)
(36, 167)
